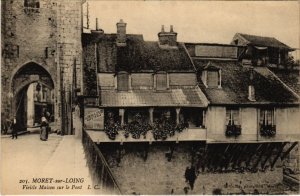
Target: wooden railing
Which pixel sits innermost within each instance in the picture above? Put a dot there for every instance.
(102, 176)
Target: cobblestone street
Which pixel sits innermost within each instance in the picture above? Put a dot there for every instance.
(60, 158)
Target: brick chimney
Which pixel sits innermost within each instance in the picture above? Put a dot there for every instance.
(251, 90)
(167, 38)
(121, 33)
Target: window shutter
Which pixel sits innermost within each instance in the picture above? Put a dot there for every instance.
(123, 81)
(161, 81)
(212, 79)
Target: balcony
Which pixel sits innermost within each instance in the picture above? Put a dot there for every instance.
(233, 130)
(268, 130)
(188, 134)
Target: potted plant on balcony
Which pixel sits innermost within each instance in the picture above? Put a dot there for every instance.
(111, 127)
(232, 129)
(137, 127)
(267, 130)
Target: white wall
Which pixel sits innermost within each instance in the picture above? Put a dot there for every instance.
(287, 122)
(30, 104)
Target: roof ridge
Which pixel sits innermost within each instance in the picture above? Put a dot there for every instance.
(188, 54)
(285, 85)
(256, 35)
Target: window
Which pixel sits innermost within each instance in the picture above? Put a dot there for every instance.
(31, 3)
(212, 78)
(267, 123)
(161, 81)
(267, 117)
(233, 127)
(123, 81)
(11, 51)
(194, 117)
(232, 116)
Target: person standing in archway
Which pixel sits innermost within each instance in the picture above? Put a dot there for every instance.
(44, 129)
(14, 128)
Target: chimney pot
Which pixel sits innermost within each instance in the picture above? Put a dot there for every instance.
(251, 89)
(167, 39)
(97, 24)
(171, 29)
(121, 33)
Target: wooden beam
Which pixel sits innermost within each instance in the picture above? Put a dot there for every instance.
(260, 156)
(280, 149)
(269, 154)
(230, 152)
(210, 155)
(242, 154)
(222, 148)
(254, 151)
(289, 150)
(236, 155)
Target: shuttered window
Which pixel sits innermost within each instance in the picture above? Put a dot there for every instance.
(123, 81)
(161, 81)
(212, 78)
(232, 116)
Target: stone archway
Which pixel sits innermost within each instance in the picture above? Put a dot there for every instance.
(26, 75)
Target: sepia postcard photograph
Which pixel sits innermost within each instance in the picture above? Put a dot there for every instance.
(150, 97)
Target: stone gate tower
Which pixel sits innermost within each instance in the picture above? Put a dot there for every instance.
(41, 43)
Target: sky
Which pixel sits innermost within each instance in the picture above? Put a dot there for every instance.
(201, 21)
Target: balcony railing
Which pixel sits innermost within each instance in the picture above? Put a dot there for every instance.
(268, 130)
(188, 134)
(233, 130)
(101, 173)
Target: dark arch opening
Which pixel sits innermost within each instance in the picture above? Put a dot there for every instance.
(29, 100)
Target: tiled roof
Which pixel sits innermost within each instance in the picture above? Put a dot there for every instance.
(290, 78)
(175, 97)
(137, 56)
(264, 41)
(235, 82)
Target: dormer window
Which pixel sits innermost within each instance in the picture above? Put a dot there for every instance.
(213, 79)
(161, 81)
(211, 76)
(123, 81)
(31, 3)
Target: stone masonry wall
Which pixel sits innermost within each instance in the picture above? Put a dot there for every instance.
(69, 29)
(49, 36)
(157, 175)
(27, 34)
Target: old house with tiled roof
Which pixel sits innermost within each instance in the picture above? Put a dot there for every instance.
(144, 81)
(261, 50)
(251, 103)
(163, 106)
